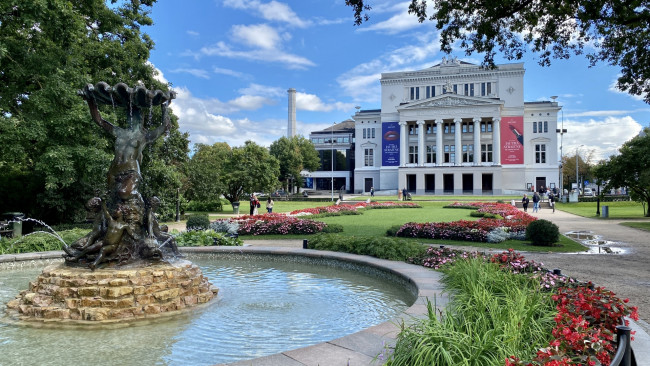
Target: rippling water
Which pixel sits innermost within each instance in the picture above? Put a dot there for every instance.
(262, 308)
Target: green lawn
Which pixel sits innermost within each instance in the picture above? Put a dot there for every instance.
(617, 210)
(375, 222)
(638, 225)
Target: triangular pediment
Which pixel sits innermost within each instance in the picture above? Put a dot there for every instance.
(450, 101)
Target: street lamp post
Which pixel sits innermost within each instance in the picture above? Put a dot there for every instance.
(561, 131)
(332, 144)
(577, 177)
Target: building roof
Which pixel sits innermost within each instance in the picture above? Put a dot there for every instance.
(345, 126)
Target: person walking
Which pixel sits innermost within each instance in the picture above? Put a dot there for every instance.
(551, 201)
(372, 191)
(269, 205)
(404, 192)
(524, 201)
(255, 203)
(536, 200)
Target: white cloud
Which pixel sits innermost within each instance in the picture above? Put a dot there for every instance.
(612, 88)
(250, 102)
(398, 23)
(233, 73)
(158, 75)
(264, 90)
(312, 103)
(273, 11)
(602, 137)
(266, 55)
(192, 33)
(257, 35)
(199, 73)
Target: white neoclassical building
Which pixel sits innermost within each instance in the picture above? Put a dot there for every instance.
(456, 128)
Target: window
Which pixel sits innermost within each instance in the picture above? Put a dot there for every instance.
(413, 130)
(413, 154)
(468, 127)
(471, 90)
(431, 154)
(483, 89)
(450, 153)
(466, 89)
(468, 153)
(364, 133)
(539, 127)
(486, 153)
(540, 154)
(486, 126)
(489, 88)
(368, 157)
(534, 127)
(431, 91)
(455, 88)
(545, 126)
(431, 128)
(415, 93)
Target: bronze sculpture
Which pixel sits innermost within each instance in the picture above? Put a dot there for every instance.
(125, 229)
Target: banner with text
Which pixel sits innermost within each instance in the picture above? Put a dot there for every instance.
(512, 140)
(390, 144)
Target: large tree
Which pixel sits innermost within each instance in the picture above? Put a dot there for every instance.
(248, 169)
(52, 156)
(295, 155)
(205, 171)
(630, 168)
(612, 31)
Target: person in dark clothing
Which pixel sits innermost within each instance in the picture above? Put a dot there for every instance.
(404, 192)
(524, 202)
(551, 200)
(536, 200)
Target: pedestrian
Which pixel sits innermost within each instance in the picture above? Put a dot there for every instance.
(525, 201)
(255, 204)
(551, 200)
(536, 200)
(269, 205)
(372, 191)
(404, 192)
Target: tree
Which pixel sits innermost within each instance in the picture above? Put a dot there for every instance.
(585, 168)
(53, 157)
(630, 168)
(205, 171)
(295, 155)
(249, 169)
(618, 31)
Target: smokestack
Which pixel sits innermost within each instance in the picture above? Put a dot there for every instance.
(291, 126)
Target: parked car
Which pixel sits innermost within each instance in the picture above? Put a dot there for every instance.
(589, 192)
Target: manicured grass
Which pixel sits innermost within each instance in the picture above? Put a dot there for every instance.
(440, 198)
(617, 210)
(638, 225)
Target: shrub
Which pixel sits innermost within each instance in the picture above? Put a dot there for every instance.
(385, 248)
(198, 222)
(202, 238)
(542, 232)
(333, 228)
(40, 242)
(392, 231)
(225, 226)
(205, 206)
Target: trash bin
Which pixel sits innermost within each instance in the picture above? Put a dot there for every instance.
(235, 208)
(604, 212)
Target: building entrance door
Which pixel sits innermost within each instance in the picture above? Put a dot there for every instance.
(487, 183)
(539, 183)
(367, 184)
(430, 183)
(410, 182)
(448, 183)
(468, 183)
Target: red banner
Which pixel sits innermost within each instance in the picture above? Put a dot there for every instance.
(512, 140)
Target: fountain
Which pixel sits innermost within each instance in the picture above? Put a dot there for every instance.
(127, 267)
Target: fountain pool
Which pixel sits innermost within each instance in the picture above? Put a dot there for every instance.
(266, 304)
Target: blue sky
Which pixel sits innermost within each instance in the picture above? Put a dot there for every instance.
(232, 61)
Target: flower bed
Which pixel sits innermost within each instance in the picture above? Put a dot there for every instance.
(274, 223)
(586, 318)
(513, 220)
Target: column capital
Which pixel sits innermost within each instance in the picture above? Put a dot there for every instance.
(476, 119)
(458, 120)
(438, 121)
(403, 123)
(496, 119)
(420, 122)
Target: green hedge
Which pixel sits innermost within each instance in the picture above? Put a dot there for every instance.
(40, 242)
(385, 248)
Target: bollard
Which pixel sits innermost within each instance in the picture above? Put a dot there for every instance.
(557, 272)
(304, 243)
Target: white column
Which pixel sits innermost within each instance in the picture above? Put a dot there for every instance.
(496, 140)
(421, 147)
(477, 140)
(439, 129)
(457, 142)
(403, 145)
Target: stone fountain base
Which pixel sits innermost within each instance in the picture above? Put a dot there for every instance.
(63, 294)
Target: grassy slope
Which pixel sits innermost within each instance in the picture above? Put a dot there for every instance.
(617, 210)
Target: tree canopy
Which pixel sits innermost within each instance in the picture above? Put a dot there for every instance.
(52, 156)
(611, 31)
(295, 155)
(249, 169)
(630, 168)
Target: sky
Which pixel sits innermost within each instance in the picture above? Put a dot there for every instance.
(232, 61)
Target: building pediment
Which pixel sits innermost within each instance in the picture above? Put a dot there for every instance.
(451, 101)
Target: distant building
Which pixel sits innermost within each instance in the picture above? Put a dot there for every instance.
(337, 143)
(455, 128)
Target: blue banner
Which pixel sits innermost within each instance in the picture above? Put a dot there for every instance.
(390, 144)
